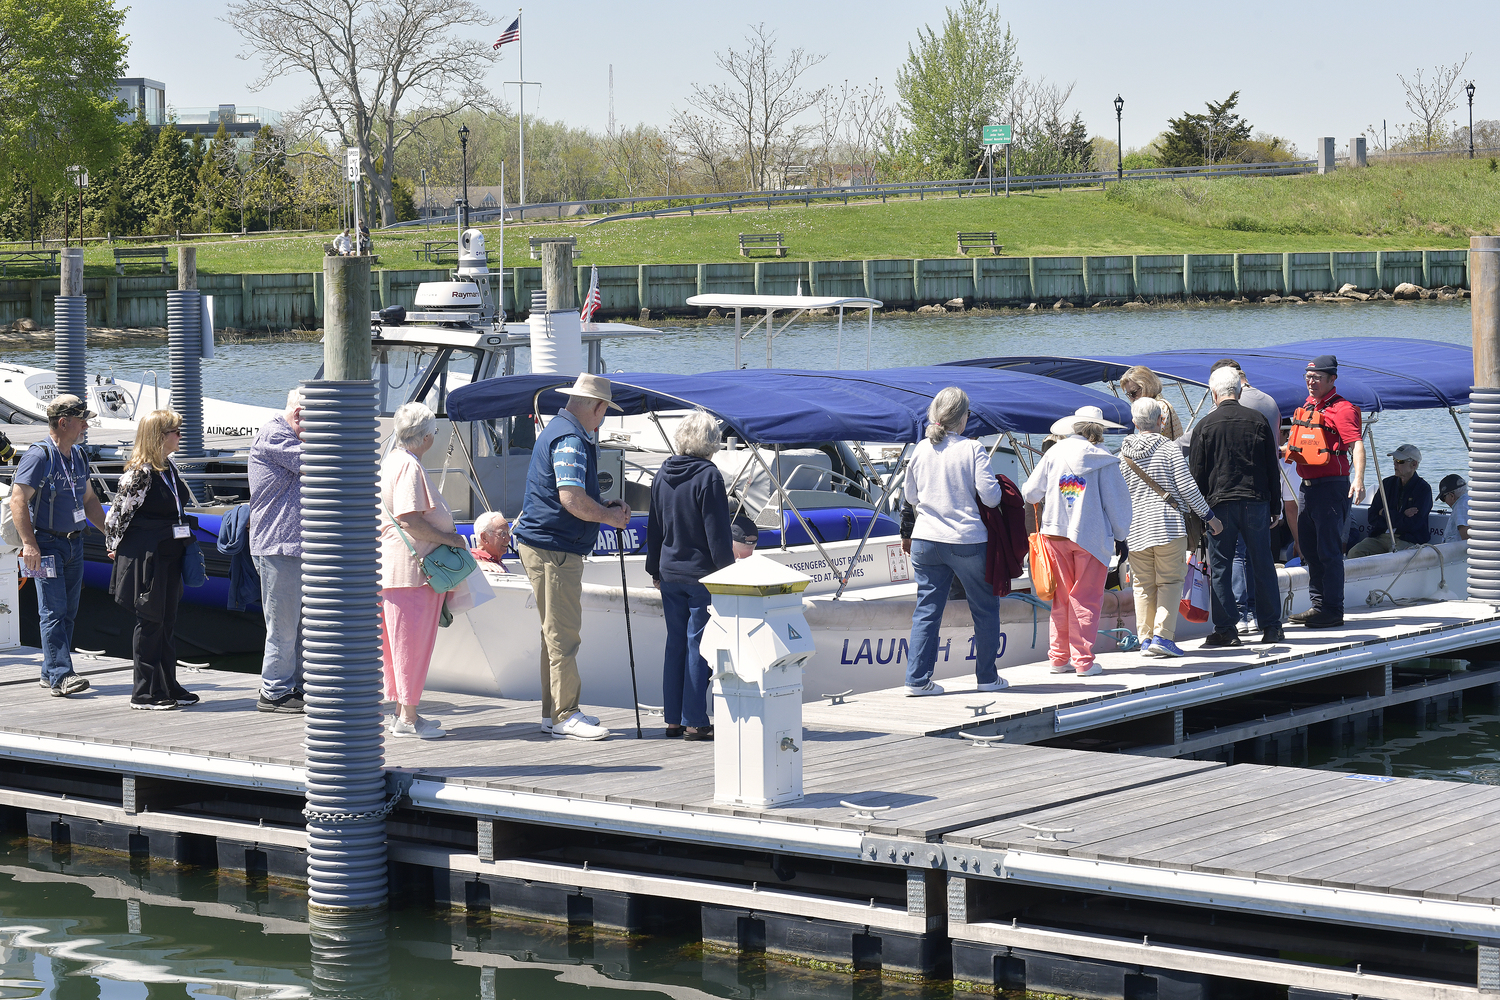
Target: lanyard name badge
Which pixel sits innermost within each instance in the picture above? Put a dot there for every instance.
(79, 515)
(179, 530)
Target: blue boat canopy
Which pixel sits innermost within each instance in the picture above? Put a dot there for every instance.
(785, 406)
(1375, 373)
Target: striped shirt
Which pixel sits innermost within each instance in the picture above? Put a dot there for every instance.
(1153, 521)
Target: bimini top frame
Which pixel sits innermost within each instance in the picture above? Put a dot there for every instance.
(796, 305)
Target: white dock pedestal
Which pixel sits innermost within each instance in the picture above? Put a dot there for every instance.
(756, 643)
(10, 611)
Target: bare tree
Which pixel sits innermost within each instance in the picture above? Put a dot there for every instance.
(869, 119)
(832, 108)
(370, 61)
(703, 139)
(1431, 99)
(761, 103)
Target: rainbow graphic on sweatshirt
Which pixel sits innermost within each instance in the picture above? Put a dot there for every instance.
(1071, 488)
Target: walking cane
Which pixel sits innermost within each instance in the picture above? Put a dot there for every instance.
(629, 642)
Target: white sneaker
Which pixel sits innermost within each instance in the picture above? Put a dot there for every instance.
(923, 691)
(999, 684)
(431, 726)
(400, 727)
(547, 723)
(1062, 668)
(577, 727)
(1247, 627)
(1093, 670)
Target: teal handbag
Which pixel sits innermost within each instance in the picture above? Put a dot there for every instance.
(445, 567)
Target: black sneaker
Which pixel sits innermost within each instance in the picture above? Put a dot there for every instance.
(186, 699)
(1222, 640)
(1324, 620)
(68, 684)
(1302, 617)
(288, 704)
(160, 705)
(1272, 633)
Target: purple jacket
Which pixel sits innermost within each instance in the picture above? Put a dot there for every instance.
(276, 491)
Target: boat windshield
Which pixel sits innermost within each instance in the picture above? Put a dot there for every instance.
(423, 373)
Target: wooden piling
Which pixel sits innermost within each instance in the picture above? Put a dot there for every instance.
(346, 318)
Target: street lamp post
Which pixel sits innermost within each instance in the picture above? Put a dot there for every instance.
(463, 211)
(1469, 89)
(1119, 137)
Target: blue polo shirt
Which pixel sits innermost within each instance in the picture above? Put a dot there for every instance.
(61, 482)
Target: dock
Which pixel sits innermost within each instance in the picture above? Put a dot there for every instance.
(1176, 862)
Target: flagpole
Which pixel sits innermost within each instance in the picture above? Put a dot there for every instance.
(500, 299)
(521, 118)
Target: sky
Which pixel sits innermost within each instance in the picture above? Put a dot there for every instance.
(1303, 70)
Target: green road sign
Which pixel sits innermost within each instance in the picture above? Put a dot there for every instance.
(996, 135)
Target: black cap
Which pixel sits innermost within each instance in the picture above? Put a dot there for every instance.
(744, 531)
(1450, 483)
(1324, 363)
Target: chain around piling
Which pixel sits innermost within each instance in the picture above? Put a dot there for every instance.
(184, 352)
(346, 796)
(70, 333)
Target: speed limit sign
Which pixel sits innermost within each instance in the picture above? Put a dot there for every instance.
(351, 164)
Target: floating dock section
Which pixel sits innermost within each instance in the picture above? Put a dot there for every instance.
(1182, 857)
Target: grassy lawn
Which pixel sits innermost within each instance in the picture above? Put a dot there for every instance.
(1435, 205)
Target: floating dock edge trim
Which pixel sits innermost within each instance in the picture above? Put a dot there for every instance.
(1448, 918)
(1255, 679)
(617, 817)
(127, 759)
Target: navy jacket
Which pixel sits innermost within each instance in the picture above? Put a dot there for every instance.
(543, 522)
(1416, 493)
(688, 533)
(234, 542)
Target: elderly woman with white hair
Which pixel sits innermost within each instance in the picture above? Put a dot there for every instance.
(1087, 510)
(687, 537)
(1158, 531)
(414, 522)
(949, 539)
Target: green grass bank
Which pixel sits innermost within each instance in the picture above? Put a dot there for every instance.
(1431, 205)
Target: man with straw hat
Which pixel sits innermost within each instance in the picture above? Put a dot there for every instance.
(558, 525)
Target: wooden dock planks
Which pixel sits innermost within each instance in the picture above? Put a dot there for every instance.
(1406, 836)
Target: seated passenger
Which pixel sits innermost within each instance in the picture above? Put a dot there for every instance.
(1410, 497)
(343, 244)
(491, 539)
(1454, 492)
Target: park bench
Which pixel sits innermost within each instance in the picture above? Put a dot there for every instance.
(139, 253)
(31, 258)
(429, 247)
(978, 241)
(439, 254)
(537, 241)
(752, 243)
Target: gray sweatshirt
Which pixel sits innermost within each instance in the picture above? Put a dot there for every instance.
(941, 482)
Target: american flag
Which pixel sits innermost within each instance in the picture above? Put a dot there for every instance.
(593, 300)
(511, 34)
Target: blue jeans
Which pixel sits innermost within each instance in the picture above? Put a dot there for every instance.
(1244, 594)
(1322, 527)
(57, 603)
(935, 565)
(281, 600)
(1250, 520)
(684, 671)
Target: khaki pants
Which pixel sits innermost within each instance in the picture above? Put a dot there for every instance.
(557, 579)
(1376, 544)
(1157, 573)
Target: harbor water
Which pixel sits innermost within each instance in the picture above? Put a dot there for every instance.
(93, 926)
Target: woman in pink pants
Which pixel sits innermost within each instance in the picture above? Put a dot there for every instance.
(1087, 509)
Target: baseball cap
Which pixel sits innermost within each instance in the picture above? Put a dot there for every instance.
(1324, 363)
(1450, 483)
(1407, 452)
(69, 405)
(744, 531)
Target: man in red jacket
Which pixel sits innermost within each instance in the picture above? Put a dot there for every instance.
(1328, 490)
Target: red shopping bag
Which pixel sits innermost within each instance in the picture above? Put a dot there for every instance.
(1194, 604)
